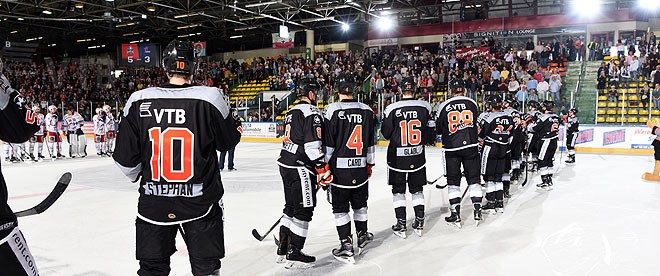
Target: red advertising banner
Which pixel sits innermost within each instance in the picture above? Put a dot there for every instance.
(471, 52)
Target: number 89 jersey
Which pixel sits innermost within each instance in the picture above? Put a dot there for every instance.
(169, 136)
(406, 124)
(457, 123)
(349, 142)
(547, 126)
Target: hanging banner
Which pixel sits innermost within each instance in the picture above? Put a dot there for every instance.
(281, 42)
(200, 48)
(471, 52)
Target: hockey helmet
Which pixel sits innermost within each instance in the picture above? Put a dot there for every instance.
(99, 110)
(573, 110)
(179, 57)
(548, 105)
(36, 108)
(106, 108)
(306, 85)
(494, 102)
(533, 104)
(408, 85)
(512, 103)
(346, 84)
(52, 108)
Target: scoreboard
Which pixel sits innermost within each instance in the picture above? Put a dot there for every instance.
(139, 55)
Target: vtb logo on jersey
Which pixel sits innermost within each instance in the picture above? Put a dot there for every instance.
(144, 109)
(406, 114)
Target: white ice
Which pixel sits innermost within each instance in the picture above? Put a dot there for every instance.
(600, 219)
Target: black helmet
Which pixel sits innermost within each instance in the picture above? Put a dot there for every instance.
(179, 57)
(512, 103)
(548, 105)
(408, 85)
(306, 85)
(494, 101)
(534, 104)
(574, 110)
(346, 84)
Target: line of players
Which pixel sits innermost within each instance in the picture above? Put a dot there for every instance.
(71, 127)
(335, 152)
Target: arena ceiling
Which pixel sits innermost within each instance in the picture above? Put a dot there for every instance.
(103, 22)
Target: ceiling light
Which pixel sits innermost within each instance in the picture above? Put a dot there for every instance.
(260, 4)
(587, 8)
(125, 24)
(345, 27)
(13, 32)
(47, 12)
(245, 28)
(650, 5)
(250, 18)
(151, 8)
(384, 23)
(79, 5)
(187, 26)
(52, 45)
(144, 16)
(316, 19)
(329, 8)
(20, 19)
(85, 40)
(33, 39)
(130, 34)
(236, 36)
(185, 15)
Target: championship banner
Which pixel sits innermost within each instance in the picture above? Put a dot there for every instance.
(200, 48)
(472, 52)
(282, 43)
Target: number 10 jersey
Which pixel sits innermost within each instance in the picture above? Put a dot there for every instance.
(168, 137)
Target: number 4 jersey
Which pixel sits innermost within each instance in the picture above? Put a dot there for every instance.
(457, 123)
(349, 142)
(406, 124)
(168, 137)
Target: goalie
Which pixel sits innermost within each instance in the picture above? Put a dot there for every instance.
(655, 175)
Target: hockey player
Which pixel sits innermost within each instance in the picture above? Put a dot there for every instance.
(654, 124)
(168, 141)
(495, 130)
(300, 159)
(38, 137)
(531, 118)
(407, 124)
(100, 124)
(73, 123)
(512, 173)
(350, 152)
(572, 130)
(457, 124)
(547, 129)
(17, 125)
(53, 136)
(110, 132)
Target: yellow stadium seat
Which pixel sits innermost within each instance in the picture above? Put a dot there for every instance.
(622, 104)
(611, 111)
(600, 119)
(602, 104)
(633, 119)
(602, 98)
(643, 119)
(633, 84)
(606, 58)
(618, 119)
(643, 112)
(601, 111)
(611, 119)
(611, 104)
(623, 98)
(655, 112)
(633, 111)
(633, 98)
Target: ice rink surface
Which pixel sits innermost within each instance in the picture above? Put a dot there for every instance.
(600, 219)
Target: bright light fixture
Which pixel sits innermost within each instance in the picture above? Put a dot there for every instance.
(47, 12)
(260, 4)
(79, 5)
(187, 26)
(345, 27)
(236, 36)
(587, 8)
(20, 19)
(151, 8)
(185, 15)
(649, 5)
(13, 32)
(385, 23)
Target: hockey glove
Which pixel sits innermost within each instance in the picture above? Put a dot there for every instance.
(323, 176)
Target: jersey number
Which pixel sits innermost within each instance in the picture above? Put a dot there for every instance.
(554, 128)
(458, 118)
(410, 132)
(162, 163)
(355, 141)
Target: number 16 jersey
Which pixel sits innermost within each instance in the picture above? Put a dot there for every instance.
(457, 123)
(169, 136)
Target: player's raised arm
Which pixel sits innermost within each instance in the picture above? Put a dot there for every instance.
(127, 150)
(19, 123)
(227, 127)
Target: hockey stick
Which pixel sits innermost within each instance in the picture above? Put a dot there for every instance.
(59, 189)
(526, 176)
(20, 154)
(260, 237)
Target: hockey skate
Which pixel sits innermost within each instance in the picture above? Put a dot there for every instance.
(490, 208)
(345, 251)
(506, 193)
(282, 246)
(477, 215)
(363, 238)
(546, 185)
(418, 226)
(571, 159)
(455, 218)
(400, 228)
(296, 259)
(499, 206)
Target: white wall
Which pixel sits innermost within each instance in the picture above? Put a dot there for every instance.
(267, 52)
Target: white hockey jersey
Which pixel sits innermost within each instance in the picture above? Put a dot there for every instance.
(100, 124)
(40, 122)
(72, 122)
(51, 123)
(110, 122)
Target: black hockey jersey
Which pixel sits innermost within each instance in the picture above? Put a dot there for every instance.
(572, 125)
(406, 124)
(496, 127)
(17, 125)
(302, 144)
(517, 131)
(169, 136)
(457, 123)
(531, 117)
(547, 126)
(349, 142)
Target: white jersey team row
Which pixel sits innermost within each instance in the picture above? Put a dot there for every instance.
(72, 123)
